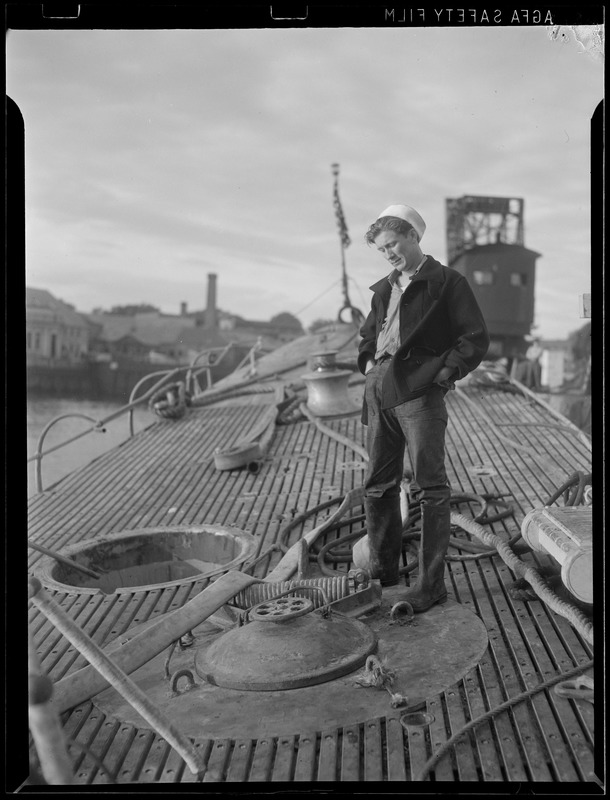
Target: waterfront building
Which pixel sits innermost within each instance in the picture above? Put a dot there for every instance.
(55, 332)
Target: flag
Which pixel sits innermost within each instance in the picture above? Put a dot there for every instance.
(345, 240)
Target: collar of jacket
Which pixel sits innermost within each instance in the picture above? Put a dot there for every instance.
(431, 271)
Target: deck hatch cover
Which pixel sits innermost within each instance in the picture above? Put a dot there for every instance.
(303, 651)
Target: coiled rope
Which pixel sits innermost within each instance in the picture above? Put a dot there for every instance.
(429, 765)
(170, 402)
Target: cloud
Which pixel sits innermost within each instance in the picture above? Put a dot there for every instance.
(173, 153)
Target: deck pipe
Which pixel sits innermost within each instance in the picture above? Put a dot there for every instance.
(65, 560)
(130, 653)
(116, 677)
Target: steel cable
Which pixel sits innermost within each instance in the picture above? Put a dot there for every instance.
(577, 481)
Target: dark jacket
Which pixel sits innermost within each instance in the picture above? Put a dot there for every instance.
(440, 325)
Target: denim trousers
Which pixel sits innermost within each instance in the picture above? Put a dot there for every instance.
(419, 425)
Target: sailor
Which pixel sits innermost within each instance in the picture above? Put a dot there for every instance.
(534, 371)
(425, 331)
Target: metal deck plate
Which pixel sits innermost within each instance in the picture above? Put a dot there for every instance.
(428, 654)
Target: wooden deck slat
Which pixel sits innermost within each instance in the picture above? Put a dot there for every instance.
(217, 761)
(262, 760)
(492, 684)
(98, 623)
(204, 747)
(528, 732)
(103, 742)
(373, 751)
(198, 505)
(239, 764)
(566, 451)
(153, 766)
(462, 462)
(159, 496)
(559, 448)
(72, 725)
(169, 458)
(173, 768)
(418, 747)
(533, 752)
(305, 767)
(483, 734)
(351, 745)
(63, 655)
(465, 753)
(438, 733)
(101, 620)
(485, 451)
(119, 749)
(197, 470)
(196, 448)
(44, 633)
(283, 765)
(87, 737)
(395, 750)
(528, 663)
(481, 440)
(537, 622)
(329, 749)
(476, 696)
(98, 481)
(131, 607)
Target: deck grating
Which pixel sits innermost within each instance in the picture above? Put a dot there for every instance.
(165, 476)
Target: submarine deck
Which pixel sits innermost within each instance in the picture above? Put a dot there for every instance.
(498, 442)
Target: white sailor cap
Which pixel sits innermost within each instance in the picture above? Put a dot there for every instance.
(407, 213)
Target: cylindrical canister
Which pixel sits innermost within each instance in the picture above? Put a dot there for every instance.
(565, 534)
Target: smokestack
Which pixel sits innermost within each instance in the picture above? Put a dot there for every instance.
(183, 309)
(211, 320)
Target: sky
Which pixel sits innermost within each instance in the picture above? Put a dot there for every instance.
(154, 158)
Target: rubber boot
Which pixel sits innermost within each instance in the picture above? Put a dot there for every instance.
(384, 536)
(429, 589)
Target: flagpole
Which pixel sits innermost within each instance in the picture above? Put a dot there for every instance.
(344, 242)
(335, 169)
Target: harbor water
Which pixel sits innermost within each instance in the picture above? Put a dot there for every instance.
(42, 410)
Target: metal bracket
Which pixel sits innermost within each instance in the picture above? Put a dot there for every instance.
(182, 673)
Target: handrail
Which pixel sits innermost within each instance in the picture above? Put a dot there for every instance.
(190, 375)
(207, 367)
(38, 456)
(251, 355)
(97, 427)
(167, 374)
(131, 405)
